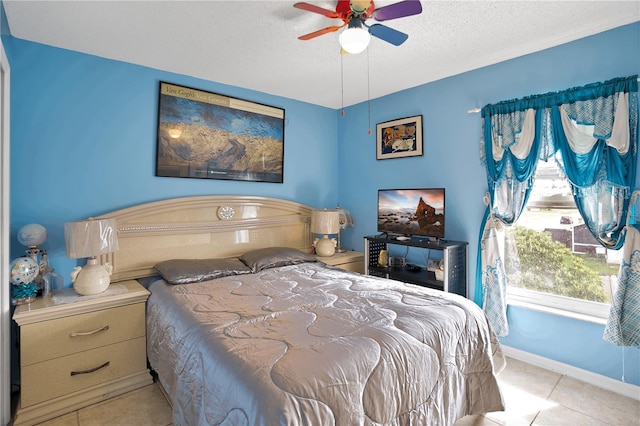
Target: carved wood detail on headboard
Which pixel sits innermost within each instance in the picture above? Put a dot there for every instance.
(202, 227)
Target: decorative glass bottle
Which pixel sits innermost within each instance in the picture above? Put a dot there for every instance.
(50, 279)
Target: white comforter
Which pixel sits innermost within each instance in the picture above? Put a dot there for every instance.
(312, 345)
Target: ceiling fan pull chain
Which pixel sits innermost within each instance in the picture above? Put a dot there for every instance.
(342, 84)
(368, 92)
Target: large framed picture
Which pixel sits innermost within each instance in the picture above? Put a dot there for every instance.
(399, 138)
(211, 136)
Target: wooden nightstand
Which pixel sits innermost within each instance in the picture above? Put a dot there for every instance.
(82, 352)
(349, 261)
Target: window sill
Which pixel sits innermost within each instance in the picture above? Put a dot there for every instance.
(558, 305)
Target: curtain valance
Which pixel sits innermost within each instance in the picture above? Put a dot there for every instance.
(576, 94)
(593, 127)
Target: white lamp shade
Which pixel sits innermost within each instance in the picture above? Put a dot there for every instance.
(325, 222)
(90, 238)
(32, 235)
(354, 40)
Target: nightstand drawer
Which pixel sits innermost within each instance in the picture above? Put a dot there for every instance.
(52, 339)
(353, 267)
(61, 376)
(347, 260)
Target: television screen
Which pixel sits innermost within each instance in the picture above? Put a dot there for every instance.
(411, 211)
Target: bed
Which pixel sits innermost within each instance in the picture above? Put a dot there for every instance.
(246, 327)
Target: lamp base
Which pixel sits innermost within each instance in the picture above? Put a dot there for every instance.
(325, 247)
(94, 278)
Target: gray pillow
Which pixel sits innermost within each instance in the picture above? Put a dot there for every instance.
(272, 257)
(185, 271)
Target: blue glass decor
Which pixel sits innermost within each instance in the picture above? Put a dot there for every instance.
(22, 272)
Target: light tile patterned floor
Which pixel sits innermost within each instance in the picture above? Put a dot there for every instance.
(146, 406)
(534, 396)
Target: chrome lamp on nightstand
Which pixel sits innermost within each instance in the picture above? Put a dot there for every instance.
(346, 221)
(91, 238)
(325, 222)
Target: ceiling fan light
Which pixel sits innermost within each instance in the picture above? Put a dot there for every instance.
(354, 40)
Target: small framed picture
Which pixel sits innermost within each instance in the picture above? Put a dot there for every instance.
(399, 138)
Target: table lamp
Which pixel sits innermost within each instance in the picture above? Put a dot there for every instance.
(325, 222)
(32, 236)
(346, 221)
(91, 238)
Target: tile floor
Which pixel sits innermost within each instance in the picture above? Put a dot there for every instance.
(533, 396)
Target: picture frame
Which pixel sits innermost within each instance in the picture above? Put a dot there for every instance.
(399, 138)
(207, 135)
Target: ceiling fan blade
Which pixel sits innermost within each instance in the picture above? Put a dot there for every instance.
(317, 9)
(398, 10)
(320, 32)
(387, 34)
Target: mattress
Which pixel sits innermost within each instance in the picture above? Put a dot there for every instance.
(312, 345)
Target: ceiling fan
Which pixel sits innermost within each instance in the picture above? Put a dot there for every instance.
(354, 13)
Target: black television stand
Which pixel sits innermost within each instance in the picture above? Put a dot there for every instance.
(454, 256)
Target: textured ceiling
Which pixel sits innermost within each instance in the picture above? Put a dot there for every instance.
(253, 44)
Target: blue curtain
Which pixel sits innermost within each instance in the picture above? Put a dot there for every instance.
(594, 128)
(623, 324)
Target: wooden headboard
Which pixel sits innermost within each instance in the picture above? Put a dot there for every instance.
(214, 226)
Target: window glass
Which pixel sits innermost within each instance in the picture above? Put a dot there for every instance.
(550, 251)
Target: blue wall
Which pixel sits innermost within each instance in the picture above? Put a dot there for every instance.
(68, 107)
(452, 160)
(83, 142)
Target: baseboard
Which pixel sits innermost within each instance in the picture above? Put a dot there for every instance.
(604, 382)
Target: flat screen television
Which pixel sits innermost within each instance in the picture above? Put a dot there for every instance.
(411, 212)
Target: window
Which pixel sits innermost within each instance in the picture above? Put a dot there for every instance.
(551, 258)
(594, 128)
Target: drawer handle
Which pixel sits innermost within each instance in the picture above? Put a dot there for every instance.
(91, 370)
(88, 333)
